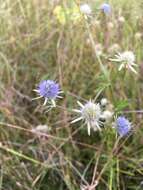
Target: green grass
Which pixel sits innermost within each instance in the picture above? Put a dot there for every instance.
(34, 45)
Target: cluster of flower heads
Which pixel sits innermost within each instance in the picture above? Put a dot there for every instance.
(86, 9)
(94, 115)
(74, 13)
(126, 58)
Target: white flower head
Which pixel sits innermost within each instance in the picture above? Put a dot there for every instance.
(121, 19)
(138, 35)
(110, 25)
(107, 115)
(90, 113)
(85, 9)
(103, 102)
(127, 60)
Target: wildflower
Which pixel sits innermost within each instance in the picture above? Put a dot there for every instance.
(85, 9)
(121, 19)
(138, 36)
(127, 60)
(69, 14)
(60, 14)
(107, 115)
(123, 126)
(110, 25)
(106, 8)
(90, 113)
(49, 90)
(103, 102)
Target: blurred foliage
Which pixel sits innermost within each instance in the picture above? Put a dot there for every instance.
(51, 39)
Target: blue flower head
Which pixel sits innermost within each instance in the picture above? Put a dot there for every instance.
(106, 8)
(48, 89)
(123, 126)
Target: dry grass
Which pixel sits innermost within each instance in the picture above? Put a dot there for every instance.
(35, 46)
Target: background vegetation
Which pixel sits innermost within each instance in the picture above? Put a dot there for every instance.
(38, 42)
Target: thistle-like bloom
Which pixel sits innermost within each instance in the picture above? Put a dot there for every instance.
(90, 113)
(85, 9)
(123, 126)
(106, 8)
(49, 90)
(127, 60)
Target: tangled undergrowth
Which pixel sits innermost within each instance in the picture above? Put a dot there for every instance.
(71, 104)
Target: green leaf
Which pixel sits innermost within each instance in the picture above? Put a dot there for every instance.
(120, 105)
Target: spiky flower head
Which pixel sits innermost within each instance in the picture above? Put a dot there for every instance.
(90, 113)
(49, 90)
(85, 9)
(106, 8)
(123, 126)
(127, 60)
